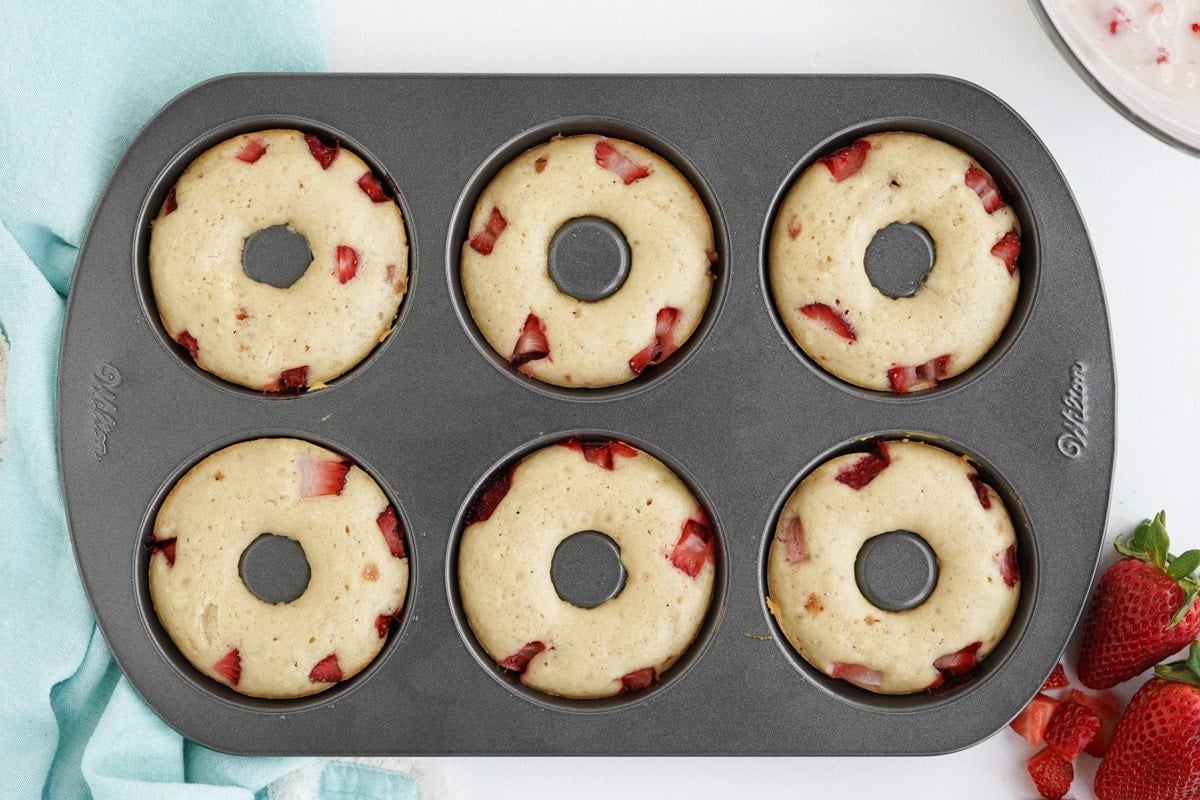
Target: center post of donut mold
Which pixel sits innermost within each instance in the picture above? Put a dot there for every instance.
(899, 258)
(589, 258)
(275, 568)
(277, 256)
(587, 570)
(896, 571)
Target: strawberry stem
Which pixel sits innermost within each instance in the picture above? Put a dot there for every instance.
(1187, 671)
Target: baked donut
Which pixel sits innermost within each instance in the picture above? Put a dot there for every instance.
(557, 338)
(353, 541)
(820, 285)
(255, 334)
(513, 528)
(901, 486)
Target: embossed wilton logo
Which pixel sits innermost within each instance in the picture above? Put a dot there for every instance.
(104, 406)
(1074, 439)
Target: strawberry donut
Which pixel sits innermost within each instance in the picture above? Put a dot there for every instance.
(351, 537)
(820, 285)
(901, 488)
(513, 529)
(553, 336)
(255, 334)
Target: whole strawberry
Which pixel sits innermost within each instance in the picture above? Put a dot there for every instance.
(1143, 611)
(1155, 754)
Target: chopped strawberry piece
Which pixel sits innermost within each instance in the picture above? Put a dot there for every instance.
(904, 379)
(982, 184)
(372, 188)
(230, 667)
(1164, 56)
(1196, 28)
(961, 661)
(1071, 729)
(1007, 250)
(613, 160)
(383, 623)
(1057, 679)
(291, 381)
(393, 532)
(793, 537)
(539, 166)
(164, 546)
(347, 263)
(489, 498)
(866, 468)
(601, 453)
(696, 546)
(1032, 721)
(322, 476)
(663, 345)
(1107, 707)
(831, 318)
(518, 662)
(936, 682)
(327, 670)
(638, 679)
(1119, 20)
(189, 343)
(1052, 774)
(1009, 569)
(169, 204)
(322, 152)
(485, 240)
(847, 161)
(532, 344)
(252, 151)
(981, 490)
(859, 675)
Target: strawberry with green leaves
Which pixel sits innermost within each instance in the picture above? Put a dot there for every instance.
(1155, 754)
(1144, 609)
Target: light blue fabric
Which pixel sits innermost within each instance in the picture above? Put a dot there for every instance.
(357, 782)
(77, 80)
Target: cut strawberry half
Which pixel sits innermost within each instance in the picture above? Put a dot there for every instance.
(905, 378)
(169, 203)
(532, 344)
(1107, 707)
(189, 343)
(1032, 721)
(322, 152)
(613, 160)
(831, 318)
(164, 546)
(372, 188)
(663, 345)
(252, 151)
(1057, 679)
(327, 670)
(319, 477)
(229, 667)
(384, 622)
(639, 679)
(1052, 774)
(866, 468)
(982, 490)
(518, 662)
(696, 546)
(959, 662)
(793, 537)
(847, 161)
(982, 184)
(392, 530)
(347, 263)
(601, 453)
(490, 497)
(1072, 729)
(484, 241)
(1008, 249)
(290, 381)
(1010, 571)
(858, 674)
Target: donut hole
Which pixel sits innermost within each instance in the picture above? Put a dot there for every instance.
(589, 258)
(587, 570)
(899, 258)
(277, 256)
(275, 569)
(896, 571)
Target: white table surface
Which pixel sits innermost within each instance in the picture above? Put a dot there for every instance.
(1139, 198)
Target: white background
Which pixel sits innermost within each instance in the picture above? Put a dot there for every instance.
(1139, 198)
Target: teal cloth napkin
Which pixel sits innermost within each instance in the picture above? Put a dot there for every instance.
(78, 78)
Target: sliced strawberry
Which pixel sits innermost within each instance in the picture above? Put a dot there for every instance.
(290, 381)
(1071, 729)
(959, 662)
(1008, 249)
(663, 345)
(982, 184)
(372, 188)
(1057, 679)
(252, 151)
(169, 204)
(490, 497)
(904, 378)
(981, 490)
(1032, 721)
(393, 532)
(1107, 707)
(347, 263)
(164, 546)
(613, 160)
(518, 662)
(229, 667)
(322, 476)
(384, 622)
(601, 454)
(847, 161)
(532, 344)
(638, 679)
(327, 670)
(858, 674)
(866, 468)
(1009, 569)
(831, 318)
(793, 537)
(1052, 774)
(322, 152)
(485, 240)
(189, 343)
(696, 546)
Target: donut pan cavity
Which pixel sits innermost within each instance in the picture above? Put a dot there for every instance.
(739, 412)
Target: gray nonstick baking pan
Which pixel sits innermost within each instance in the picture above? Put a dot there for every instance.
(739, 412)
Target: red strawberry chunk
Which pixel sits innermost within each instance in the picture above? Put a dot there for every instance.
(327, 670)
(229, 667)
(292, 381)
(1032, 721)
(487, 500)
(1071, 729)
(1009, 569)
(847, 161)
(347, 263)
(252, 151)
(1118, 21)
(1164, 56)
(1052, 774)
(613, 160)
(961, 661)
(982, 184)
(190, 344)
(905, 378)
(981, 490)
(164, 546)
(372, 188)
(858, 674)
(601, 453)
(383, 623)
(322, 476)
(793, 537)
(638, 679)
(322, 152)
(696, 546)
(1107, 707)
(1057, 679)
(1007, 250)
(485, 240)
(532, 344)
(169, 204)
(831, 318)
(866, 468)
(1196, 28)
(663, 345)
(518, 662)
(393, 532)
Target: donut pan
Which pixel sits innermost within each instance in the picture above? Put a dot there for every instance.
(739, 412)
